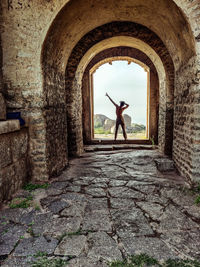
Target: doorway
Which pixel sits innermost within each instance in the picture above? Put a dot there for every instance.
(124, 80)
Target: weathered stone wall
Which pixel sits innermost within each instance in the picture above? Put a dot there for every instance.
(186, 149)
(14, 164)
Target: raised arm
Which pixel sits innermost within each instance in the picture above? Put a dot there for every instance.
(111, 100)
(127, 105)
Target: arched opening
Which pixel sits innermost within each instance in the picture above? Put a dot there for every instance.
(66, 55)
(135, 55)
(124, 79)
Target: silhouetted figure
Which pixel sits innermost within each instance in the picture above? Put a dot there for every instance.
(120, 119)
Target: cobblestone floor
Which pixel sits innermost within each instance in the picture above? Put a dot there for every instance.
(105, 206)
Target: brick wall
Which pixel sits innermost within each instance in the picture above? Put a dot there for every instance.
(186, 149)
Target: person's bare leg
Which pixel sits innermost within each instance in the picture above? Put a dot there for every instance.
(124, 131)
(116, 130)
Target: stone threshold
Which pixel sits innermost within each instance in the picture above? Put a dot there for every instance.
(111, 147)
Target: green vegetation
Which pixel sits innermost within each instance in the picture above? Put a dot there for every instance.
(197, 200)
(44, 261)
(152, 140)
(143, 260)
(21, 202)
(196, 189)
(100, 130)
(31, 187)
(4, 232)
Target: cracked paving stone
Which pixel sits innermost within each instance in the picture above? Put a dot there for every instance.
(97, 221)
(100, 180)
(18, 261)
(76, 209)
(72, 245)
(9, 236)
(95, 192)
(84, 181)
(19, 215)
(151, 209)
(97, 204)
(131, 223)
(71, 196)
(122, 203)
(102, 246)
(31, 246)
(147, 189)
(180, 197)
(151, 246)
(58, 205)
(58, 185)
(115, 183)
(173, 220)
(124, 192)
(185, 243)
(55, 226)
(73, 188)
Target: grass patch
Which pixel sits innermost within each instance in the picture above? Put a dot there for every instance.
(21, 202)
(143, 260)
(31, 187)
(44, 261)
(197, 200)
(100, 130)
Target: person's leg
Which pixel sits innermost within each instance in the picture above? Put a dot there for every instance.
(116, 129)
(124, 131)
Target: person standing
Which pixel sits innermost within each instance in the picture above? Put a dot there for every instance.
(119, 120)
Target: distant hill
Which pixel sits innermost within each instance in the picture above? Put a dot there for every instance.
(102, 121)
(99, 120)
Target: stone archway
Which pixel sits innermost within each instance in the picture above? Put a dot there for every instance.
(98, 40)
(132, 54)
(65, 46)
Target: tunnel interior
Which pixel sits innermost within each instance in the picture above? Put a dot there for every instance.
(80, 37)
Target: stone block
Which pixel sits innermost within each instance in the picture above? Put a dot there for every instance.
(5, 151)
(19, 144)
(2, 108)
(7, 175)
(9, 126)
(165, 165)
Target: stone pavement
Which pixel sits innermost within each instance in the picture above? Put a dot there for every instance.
(105, 206)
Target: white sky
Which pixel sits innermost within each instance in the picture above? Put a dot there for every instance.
(122, 82)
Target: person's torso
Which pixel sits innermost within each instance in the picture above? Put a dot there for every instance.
(119, 111)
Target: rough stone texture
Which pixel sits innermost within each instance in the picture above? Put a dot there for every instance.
(186, 146)
(14, 164)
(154, 214)
(71, 245)
(9, 126)
(2, 108)
(164, 165)
(31, 246)
(108, 124)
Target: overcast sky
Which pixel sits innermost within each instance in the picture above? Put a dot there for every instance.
(122, 82)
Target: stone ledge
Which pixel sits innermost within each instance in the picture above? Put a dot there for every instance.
(9, 126)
